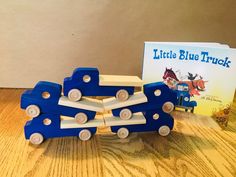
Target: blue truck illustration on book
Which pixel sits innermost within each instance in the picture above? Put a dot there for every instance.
(71, 109)
(183, 97)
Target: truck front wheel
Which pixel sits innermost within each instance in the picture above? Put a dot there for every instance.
(74, 95)
(164, 130)
(32, 111)
(85, 135)
(36, 138)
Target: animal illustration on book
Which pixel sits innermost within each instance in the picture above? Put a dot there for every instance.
(195, 84)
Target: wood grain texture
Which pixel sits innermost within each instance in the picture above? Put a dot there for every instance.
(113, 103)
(196, 147)
(84, 103)
(120, 80)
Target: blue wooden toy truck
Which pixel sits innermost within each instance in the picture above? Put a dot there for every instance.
(88, 82)
(56, 115)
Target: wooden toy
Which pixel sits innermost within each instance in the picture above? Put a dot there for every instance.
(56, 115)
(137, 118)
(71, 123)
(84, 103)
(159, 96)
(107, 120)
(49, 126)
(112, 103)
(88, 82)
(156, 120)
(44, 99)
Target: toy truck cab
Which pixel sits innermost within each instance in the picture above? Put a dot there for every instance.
(88, 82)
(183, 97)
(43, 93)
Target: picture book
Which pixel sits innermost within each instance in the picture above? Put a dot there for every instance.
(202, 74)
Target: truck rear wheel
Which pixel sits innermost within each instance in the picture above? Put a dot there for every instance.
(168, 107)
(122, 95)
(123, 133)
(164, 130)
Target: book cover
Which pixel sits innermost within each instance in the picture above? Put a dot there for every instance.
(204, 76)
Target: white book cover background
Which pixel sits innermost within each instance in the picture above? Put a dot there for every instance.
(214, 65)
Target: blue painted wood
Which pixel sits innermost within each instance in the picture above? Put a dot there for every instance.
(151, 124)
(154, 102)
(50, 105)
(53, 130)
(152, 110)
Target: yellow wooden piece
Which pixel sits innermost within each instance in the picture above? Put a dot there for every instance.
(137, 118)
(113, 103)
(196, 147)
(84, 103)
(118, 80)
(72, 123)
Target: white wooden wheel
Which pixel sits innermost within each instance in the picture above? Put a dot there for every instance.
(168, 107)
(81, 118)
(32, 111)
(36, 138)
(164, 130)
(74, 95)
(122, 95)
(125, 114)
(85, 135)
(123, 133)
